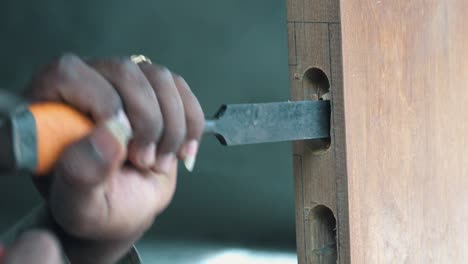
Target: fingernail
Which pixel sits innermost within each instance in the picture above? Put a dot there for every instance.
(120, 127)
(148, 156)
(164, 162)
(191, 150)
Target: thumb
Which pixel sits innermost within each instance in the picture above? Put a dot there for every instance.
(88, 161)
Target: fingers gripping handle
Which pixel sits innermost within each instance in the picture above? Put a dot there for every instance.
(57, 126)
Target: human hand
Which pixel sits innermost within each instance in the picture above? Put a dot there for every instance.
(103, 190)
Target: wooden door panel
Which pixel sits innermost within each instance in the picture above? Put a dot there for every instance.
(396, 172)
(406, 87)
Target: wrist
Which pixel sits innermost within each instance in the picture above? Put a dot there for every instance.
(93, 251)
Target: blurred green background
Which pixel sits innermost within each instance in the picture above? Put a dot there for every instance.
(229, 51)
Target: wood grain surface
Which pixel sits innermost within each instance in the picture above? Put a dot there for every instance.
(405, 70)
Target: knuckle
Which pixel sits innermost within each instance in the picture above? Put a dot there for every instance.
(110, 107)
(195, 125)
(158, 72)
(174, 137)
(158, 131)
(114, 104)
(152, 110)
(126, 69)
(195, 121)
(179, 134)
(68, 57)
(127, 65)
(173, 103)
(164, 71)
(65, 64)
(148, 128)
(49, 79)
(180, 81)
(178, 78)
(144, 129)
(70, 166)
(195, 110)
(149, 118)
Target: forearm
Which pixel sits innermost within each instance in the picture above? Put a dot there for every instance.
(75, 250)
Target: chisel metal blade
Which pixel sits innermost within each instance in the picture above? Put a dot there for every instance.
(238, 124)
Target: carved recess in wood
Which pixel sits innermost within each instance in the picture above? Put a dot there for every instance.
(314, 39)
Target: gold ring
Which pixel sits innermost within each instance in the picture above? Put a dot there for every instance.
(137, 59)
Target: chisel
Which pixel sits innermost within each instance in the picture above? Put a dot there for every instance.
(32, 137)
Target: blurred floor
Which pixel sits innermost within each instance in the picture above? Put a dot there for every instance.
(192, 252)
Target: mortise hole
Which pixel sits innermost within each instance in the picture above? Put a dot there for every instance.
(322, 224)
(316, 86)
(315, 83)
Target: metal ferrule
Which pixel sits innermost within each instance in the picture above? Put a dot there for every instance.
(18, 141)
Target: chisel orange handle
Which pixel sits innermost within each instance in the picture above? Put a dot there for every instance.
(33, 137)
(57, 126)
(38, 134)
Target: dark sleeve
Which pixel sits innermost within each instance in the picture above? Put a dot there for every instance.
(40, 218)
